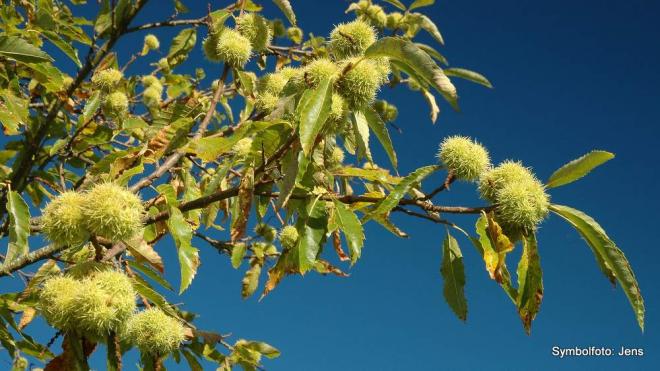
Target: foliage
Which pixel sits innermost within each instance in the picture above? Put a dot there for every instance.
(268, 160)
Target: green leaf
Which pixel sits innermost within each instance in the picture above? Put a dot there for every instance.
(143, 288)
(453, 273)
(181, 46)
(475, 77)
(400, 190)
(349, 223)
(285, 7)
(397, 4)
(420, 3)
(13, 112)
(312, 230)
(188, 255)
(578, 168)
(193, 363)
(429, 26)
(19, 227)
(237, 254)
(361, 132)
(530, 283)
(289, 176)
(413, 60)
(314, 111)
(606, 250)
(378, 127)
(157, 277)
(64, 46)
(91, 106)
(143, 252)
(21, 50)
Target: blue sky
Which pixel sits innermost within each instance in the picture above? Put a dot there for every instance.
(569, 77)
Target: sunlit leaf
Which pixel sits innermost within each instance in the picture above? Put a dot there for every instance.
(378, 127)
(578, 168)
(314, 111)
(285, 7)
(19, 227)
(349, 223)
(611, 255)
(468, 75)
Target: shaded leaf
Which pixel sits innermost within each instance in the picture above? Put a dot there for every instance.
(312, 231)
(244, 199)
(604, 248)
(64, 46)
(181, 46)
(453, 273)
(530, 283)
(154, 275)
(475, 77)
(578, 168)
(349, 223)
(378, 127)
(16, 48)
(400, 190)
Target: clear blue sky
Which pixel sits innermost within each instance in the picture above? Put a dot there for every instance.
(569, 77)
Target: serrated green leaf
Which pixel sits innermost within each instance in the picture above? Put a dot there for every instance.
(314, 111)
(611, 255)
(19, 227)
(181, 46)
(415, 61)
(18, 49)
(289, 176)
(91, 106)
(400, 190)
(361, 131)
(312, 231)
(433, 53)
(453, 273)
(475, 77)
(372, 175)
(578, 168)
(285, 7)
(64, 46)
(149, 272)
(349, 223)
(420, 3)
(143, 288)
(530, 283)
(377, 125)
(143, 252)
(188, 255)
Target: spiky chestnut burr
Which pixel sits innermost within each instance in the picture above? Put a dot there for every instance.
(351, 39)
(62, 220)
(463, 157)
(113, 212)
(154, 332)
(289, 237)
